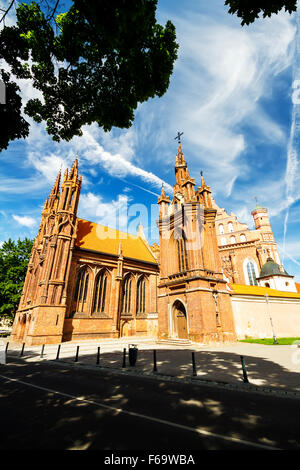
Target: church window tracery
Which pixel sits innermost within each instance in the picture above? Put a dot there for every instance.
(81, 289)
(140, 301)
(100, 293)
(126, 304)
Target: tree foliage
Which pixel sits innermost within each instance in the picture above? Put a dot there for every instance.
(249, 11)
(93, 63)
(14, 257)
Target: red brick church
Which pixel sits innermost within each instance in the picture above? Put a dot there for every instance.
(87, 281)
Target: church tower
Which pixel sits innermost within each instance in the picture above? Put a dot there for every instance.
(193, 302)
(267, 247)
(42, 307)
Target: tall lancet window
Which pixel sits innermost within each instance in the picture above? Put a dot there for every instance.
(100, 293)
(182, 254)
(140, 296)
(81, 290)
(126, 302)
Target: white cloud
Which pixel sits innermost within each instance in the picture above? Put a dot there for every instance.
(111, 214)
(116, 164)
(221, 75)
(25, 220)
(48, 165)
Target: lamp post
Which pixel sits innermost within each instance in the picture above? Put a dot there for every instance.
(268, 312)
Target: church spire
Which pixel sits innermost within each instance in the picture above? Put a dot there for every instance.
(74, 170)
(55, 189)
(180, 160)
(184, 183)
(52, 199)
(163, 197)
(204, 192)
(202, 179)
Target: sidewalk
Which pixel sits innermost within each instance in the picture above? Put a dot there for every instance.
(276, 367)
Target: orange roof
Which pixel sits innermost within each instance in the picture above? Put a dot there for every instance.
(96, 237)
(261, 291)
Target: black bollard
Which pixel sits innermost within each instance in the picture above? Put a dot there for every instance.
(98, 356)
(194, 364)
(154, 361)
(124, 358)
(6, 348)
(77, 352)
(245, 377)
(22, 350)
(42, 351)
(57, 355)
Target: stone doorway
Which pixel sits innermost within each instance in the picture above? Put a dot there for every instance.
(179, 320)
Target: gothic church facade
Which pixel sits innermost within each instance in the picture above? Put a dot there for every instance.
(88, 281)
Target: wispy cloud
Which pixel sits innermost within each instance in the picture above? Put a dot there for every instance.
(111, 214)
(25, 220)
(222, 73)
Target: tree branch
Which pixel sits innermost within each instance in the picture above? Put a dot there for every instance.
(6, 11)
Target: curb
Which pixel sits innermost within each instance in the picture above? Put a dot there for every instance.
(244, 387)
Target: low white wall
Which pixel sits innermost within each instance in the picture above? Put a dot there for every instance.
(252, 316)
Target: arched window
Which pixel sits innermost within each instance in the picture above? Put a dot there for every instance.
(126, 302)
(140, 296)
(243, 238)
(81, 289)
(251, 273)
(100, 293)
(221, 229)
(232, 239)
(223, 241)
(230, 227)
(182, 255)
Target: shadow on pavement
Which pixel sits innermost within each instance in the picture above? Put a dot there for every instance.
(38, 418)
(210, 365)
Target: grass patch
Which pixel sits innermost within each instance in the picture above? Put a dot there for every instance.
(270, 341)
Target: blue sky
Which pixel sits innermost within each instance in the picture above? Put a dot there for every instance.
(230, 94)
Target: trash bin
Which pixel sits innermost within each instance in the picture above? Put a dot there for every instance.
(133, 351)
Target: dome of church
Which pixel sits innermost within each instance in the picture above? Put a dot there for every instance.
(258, 206)
(270, 268)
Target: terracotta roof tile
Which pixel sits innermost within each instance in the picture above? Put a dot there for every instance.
(96, 237)
(261, 291)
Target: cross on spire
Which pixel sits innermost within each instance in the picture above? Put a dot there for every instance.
(179, 134)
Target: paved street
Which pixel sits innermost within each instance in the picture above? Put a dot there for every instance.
(277, 366)
(50, 405)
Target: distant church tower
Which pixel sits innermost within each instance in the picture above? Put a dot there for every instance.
(41, 313)
(193, 302)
